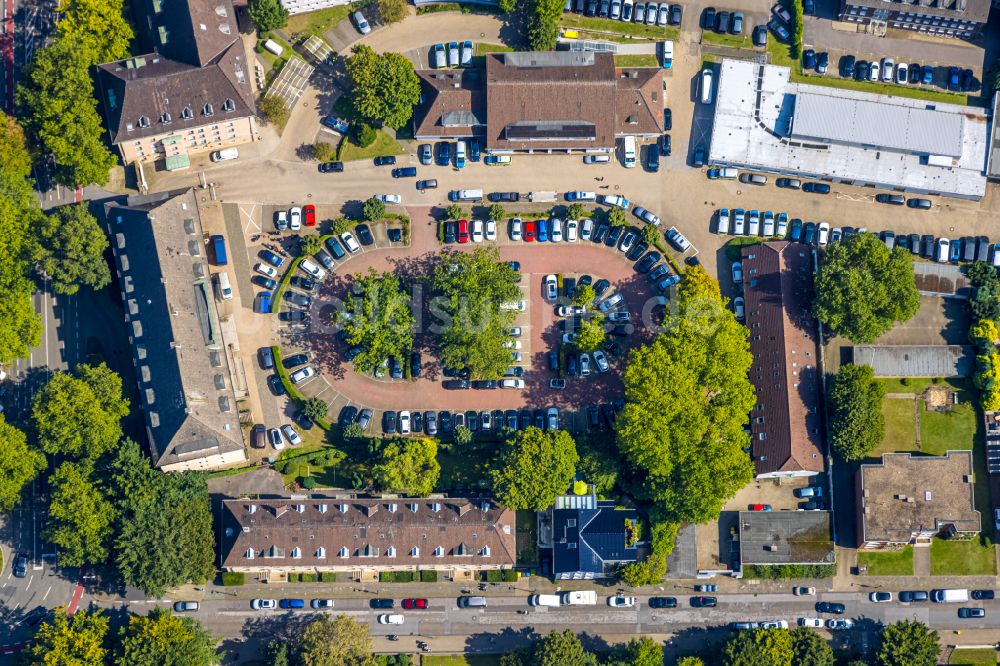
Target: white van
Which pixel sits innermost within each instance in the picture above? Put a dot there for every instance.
(544, 600)
(628, 152)
(225, 155)
(466, 195)
(459, 154)
(668, 54)
(706, 85)
(580, 598)
(225, 289)
(950, 596)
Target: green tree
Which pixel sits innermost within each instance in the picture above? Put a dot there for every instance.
(363, 134)
(600, 462)
(374, 209)
(616, 217)
(574, 211)
(908, 643)
(643, 651)
(164, 531)
(797, 26)
(80, 518)
(166, 640)
(19, 464)
(273, 108)
(377, 317)
(690, 661)
(591, 335)
(408, 465)
(340, 641)
(470, 289)
(392, 11)
(315, 409)
(507, 6)
(584, 295)
(543, 24)
(97, 27)
(341, 225)
(561, 649)
(278, 654)
(353, 431)
(310, 244)
(80, 416)
(863, 288)
(856, 421)
(759, 647)
(71, 641)
(69, 249)
(57, 103)
(463, 435)
(534, 467)
(324, 151)
(687, 399)
(810, 649)
(268, 15)
(385, 87)
(650, 234)
(497, 212)
(453, 212)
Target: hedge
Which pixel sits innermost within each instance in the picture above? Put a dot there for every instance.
(328, 577)
(395, 577)
(232, 578)
(428, 576)
(789, 571)
(500, 576)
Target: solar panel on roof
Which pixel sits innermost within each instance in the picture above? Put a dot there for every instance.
(540, 130)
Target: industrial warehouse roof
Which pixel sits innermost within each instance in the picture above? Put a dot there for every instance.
(755, 111)
(917, 360)
(836, 119)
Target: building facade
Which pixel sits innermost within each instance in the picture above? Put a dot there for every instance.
(960, 19)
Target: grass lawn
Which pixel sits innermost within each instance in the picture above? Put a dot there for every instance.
(460, 660)
(607, 28)
(734, 246)
(974, 656)
(962, 558)
(465, 466)
(900, 429)
(637, 60)
(889, 563)
(734, 41)
(383, 145)
(941, 431)
(482, 49)
(318, 22)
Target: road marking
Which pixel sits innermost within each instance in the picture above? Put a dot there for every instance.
(47, 593)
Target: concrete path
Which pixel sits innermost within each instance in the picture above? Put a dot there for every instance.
(922, 562)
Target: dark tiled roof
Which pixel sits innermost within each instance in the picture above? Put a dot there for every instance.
(327, 532)
(454, 103)
(585, 539)
(183, 372)
(786, 537)
(969, 10)
(195, 32)
(158, 92)
(785, 424)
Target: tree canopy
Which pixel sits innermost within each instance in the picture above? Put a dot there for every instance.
(408, 465)
(810, 649)
(385, 87)
(373, 209)
(759, 647)
(377, 317)
(908, 643)
(534, 467)
(81, 519)
(561, 649)
(340, 641)
(268, 15)
(543, 24)
(471, 288)
(392, 11)
(69, 249)
(166, 640)
(856, 421)
(863, 288)
(591, 335)
(71, 641)
(19, 464)
(97, 27)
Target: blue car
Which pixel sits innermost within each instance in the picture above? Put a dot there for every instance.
(444, 154)
(336, 124)
(292, 603)
(263, 303)
(542, 231)
(808, 59)
(271, 258)
(928, 75)
(954, 79)
(335, 248)
(474, 151)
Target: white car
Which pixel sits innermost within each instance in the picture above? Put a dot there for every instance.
(723, 226)
(773, 624)
(516, 357)
(584, 365)
(823, 234)
(571, 310)
(350, 242)
(572, 228)
(803, 591)
(611, 301)
(277, 441)
(586, 229)
(512, 383)
(621, 602)
(768, 224)
(782, 225)
(888, 66)
(902, 69)
(570, 338)
(281, 221)
(290, 434)
(814, 622)
(678, 240)
(737, 272)
(601, 360)
(476, 231)
(739, 308)
(739, 222)
(516, 229)
(264, 269)
(555, 230)
(519, 306)
(389, 198)
(619, 316)
(312, 269)
(549, 288)
(264, 604)
(942, 249)
(302, 374)
(404, 422)
(614, 200)
(491, 230)
(753, 226)
(295, 219)
(386, 618)
(880, 597)
(514, 332)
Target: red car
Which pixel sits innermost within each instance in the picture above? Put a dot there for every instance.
(310, 214)
(415, 604)
(760, 507)
(463, 231)
(529, 231)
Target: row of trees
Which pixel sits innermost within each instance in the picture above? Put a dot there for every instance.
(85, 639)
(565, 649)
(985, 309)
(856, 420)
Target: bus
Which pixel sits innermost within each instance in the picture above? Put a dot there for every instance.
(628, 151)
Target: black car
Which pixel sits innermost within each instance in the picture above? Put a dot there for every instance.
(292, 315)
(554, 361)
(585, 280)
(569, 284)
(892, 199)
(816, 188)
(298, 299)
(704, 602)
(847, 66)
(347, 416)
(675, 14)
(395, 235)
(443, 153)
(614, 234)
(708, 18)
(524, 419)
(296, 360)
(916, 73)
(474, 151)
(637, 251)
(662, 602)
(971, 613)
(921, 204)
(510, 419)
(760, 35)
(414, 364)
(601, 287)
(455, 384)
(331, 167)
(353, 353)
(540, 419)
(599, 233)
(472, 420)
(484, 383)
(504, 196)
(789, 183)
(21, 566)
(913, 596)
(404, 172)
(382, 603)
(417, 422)
(668, 120)
(265, 282)
(303, 283)
(698, 160)
(594, 416)
(646, 263)
(665, 145)
(302, 421)
(608, 412)
(927, 245)
(385, 160)
(335, 248)
(450, 232)
(274, 383)
(395, 368)
(571, 370)
(325, 260)
(809, 233)
(981, 595)
(389, 428)
(444, 418)
(429, 184)
(364, 234)
(861, 70)
(722, 22)
(830, 607)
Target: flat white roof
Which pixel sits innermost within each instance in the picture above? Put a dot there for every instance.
(866, 122)
(755, 110)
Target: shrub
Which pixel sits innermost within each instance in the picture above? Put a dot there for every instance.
(341, 225)
(453, 212)
(232, 578)
(374, 209)
(789, 571)
(307, 578)
(328, 577)
(363, 135)
(274, 110)
(428, 576)
(324, 152)
(395, 577)
(309, 482)
(797, 29)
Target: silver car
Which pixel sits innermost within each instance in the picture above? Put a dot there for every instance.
(651, 13)
(639, 15)
(439, 59)
(453, 54)
(663, 15)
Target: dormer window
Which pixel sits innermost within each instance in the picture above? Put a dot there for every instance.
(343, 552)
(390, 551)
(208, 110)
(415, 552)
(187, 113)
(321, 553)
(143, 121)
(485, 551)
(249, 554)
(439, 552)
(297, 553)
(165, 118)
(229, 105)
